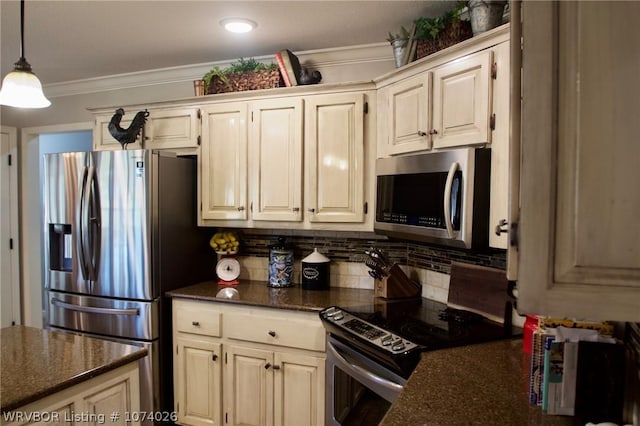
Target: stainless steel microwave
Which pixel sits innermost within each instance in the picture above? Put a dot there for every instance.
(440, 197)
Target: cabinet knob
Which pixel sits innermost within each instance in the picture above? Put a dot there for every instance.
(195, 323)
(421, 133)
(501, 227)
(296, 209)
(267, 366)
(240, 208)
(311, 210)
(272, 333)
(214, 357)
(433, 132)
(276, 367)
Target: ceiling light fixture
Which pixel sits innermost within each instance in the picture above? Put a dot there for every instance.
(21, 88)
(238, 25)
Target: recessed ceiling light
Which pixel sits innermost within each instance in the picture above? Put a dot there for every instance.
(238, 25)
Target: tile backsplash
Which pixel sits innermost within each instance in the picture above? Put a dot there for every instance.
(427, 264)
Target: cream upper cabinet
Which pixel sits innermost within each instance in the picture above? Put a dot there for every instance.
(462, 101)
(579, 239)
(276, 158)
(223, 161)
(170, 128)
(173, 128)
(102, 139)
(409, 115)
(334, 158)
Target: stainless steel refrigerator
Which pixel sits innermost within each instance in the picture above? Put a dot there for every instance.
(119, 231)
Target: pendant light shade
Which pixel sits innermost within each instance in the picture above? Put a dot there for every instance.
(21, 88)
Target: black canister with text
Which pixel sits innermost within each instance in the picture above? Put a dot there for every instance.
(315, 271)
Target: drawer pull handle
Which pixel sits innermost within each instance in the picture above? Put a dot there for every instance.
(267, 365)
(276, 367)
(195, 323)
(272, 333)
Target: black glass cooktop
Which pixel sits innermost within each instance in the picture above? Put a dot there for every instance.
(430, 324)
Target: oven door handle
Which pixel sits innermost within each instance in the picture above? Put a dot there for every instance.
(447, 199)
(356, 370)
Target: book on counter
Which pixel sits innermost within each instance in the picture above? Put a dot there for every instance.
(567, 359)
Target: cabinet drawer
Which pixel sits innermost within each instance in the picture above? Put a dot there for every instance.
(197, 319)
(293, 332)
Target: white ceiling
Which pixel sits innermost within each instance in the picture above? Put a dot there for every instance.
(75, 40)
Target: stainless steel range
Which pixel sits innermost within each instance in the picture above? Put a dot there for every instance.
(372, 350)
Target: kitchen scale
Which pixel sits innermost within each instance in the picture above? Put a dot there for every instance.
(228, 270)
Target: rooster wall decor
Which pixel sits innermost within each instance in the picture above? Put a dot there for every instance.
(128, 135)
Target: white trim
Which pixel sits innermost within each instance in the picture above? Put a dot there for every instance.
(319, 58)
(14, 223)
(31, 266)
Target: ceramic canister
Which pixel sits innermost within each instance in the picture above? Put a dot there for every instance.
(280, 264)
(315, 271)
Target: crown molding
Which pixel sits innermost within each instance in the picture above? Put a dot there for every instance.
(320, 58)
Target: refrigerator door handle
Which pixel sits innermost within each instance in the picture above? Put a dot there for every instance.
(82, 226)
(93, 222)
(93, 309)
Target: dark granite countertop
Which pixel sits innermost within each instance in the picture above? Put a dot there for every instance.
(257, 293)
(484, 384)
(36, 363)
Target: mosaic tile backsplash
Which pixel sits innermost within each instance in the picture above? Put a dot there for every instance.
(350, 247)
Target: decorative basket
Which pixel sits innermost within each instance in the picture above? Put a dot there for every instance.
(453, 34)
(253, 80)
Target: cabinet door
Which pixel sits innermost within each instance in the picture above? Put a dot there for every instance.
(223, 170)
(249, 386)
(579, 235)
(334, 150)
(409, 114)
(276, 147)
(102, 139)
(299, 390)
(462, 101)
(109, 400)
(197, 376)
(172, 128)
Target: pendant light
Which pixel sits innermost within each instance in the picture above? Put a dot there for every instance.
(21, 88)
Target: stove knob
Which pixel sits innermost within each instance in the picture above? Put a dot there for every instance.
(338, 316)
(398, 346)
(386, 340)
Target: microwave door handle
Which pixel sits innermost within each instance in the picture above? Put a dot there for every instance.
(447, 199)
(81, 227)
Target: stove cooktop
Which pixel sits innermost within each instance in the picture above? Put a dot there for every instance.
(396, 332)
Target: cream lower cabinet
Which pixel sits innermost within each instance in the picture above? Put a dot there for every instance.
(579, 238)
(241, 365)
(112, 397)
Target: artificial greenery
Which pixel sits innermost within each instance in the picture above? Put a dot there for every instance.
(402, 35)
(429, 28)
(240, 66)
